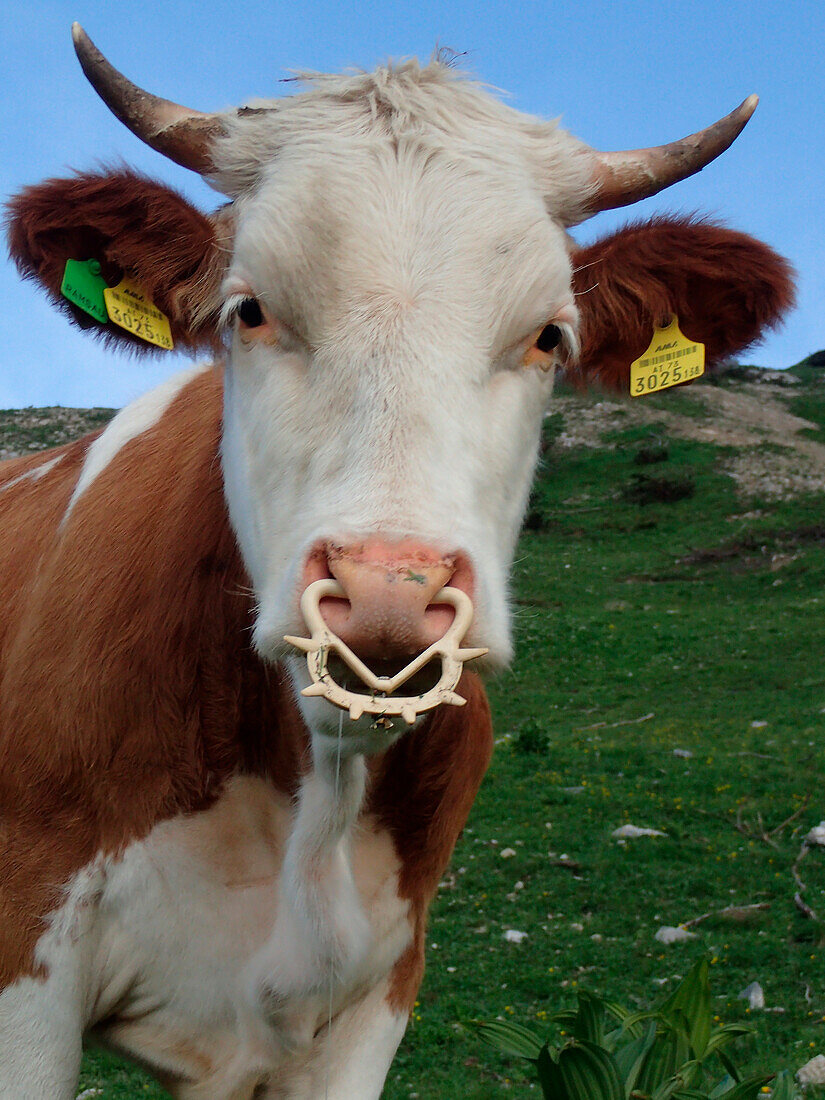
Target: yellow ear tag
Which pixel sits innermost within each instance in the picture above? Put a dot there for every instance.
(129, 307)
(670, 359)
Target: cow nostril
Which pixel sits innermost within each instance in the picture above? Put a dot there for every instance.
(438, 618)
(463, 577)
(316, 566)
(390, 606)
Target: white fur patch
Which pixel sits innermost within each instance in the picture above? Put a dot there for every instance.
(34, 474)
(130, 422)
(185, 953)
(42, 1019)
(359, 1049)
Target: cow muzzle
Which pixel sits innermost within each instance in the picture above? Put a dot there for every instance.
(386, 628)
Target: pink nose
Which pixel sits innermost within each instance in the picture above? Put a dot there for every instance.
(388, 612)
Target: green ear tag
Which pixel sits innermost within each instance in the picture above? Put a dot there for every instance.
(83, 285)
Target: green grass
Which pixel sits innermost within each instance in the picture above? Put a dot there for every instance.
(613, 627)
(811, 406)
(640, 630)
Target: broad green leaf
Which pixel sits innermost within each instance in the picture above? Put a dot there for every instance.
(664, 1060)
(510, 1038)
(721, 1036)
(631, 1021)
(634, 1021)
(692, 998)
(689, 1071)
(669, 1089)
(784, 1087)
(750, 1089)
(723, 1088)
(589, 1022)
(548, 1071)
(729, 1067)
(583, 1071)
(630, 1057)
(678, 1087)
(678, 1020)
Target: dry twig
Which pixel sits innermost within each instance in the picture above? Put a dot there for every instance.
(761, 832)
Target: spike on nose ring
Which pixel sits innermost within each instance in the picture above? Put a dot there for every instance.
(380, 700)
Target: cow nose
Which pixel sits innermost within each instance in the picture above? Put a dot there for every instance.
(389, 588)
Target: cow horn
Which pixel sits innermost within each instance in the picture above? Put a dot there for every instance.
(625, 177)
(183, 135)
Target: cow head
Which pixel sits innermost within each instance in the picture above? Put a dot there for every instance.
(394, 284)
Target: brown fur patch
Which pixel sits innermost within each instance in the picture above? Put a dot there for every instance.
(130, 693)
(133, 226)
(129, 689)
(726, 288)
(423, 795)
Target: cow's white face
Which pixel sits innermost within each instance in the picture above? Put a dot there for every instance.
(402, 281)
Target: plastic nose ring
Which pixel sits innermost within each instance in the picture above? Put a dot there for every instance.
(379, 699)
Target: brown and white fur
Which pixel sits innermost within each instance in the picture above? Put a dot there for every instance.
(195, 869)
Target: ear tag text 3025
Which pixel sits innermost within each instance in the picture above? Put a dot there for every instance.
(670, 359)
(129, 307)
(84, 287)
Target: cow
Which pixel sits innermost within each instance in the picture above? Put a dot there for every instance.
(203, 865)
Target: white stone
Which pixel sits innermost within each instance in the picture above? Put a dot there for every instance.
(753, 994)
(633, 831)
(813, 1072)
(668, 934)
(514, 936)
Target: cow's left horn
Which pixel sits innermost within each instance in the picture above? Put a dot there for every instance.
(626, 177)
(183, 135)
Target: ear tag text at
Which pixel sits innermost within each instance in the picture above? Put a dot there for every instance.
(129, 307)
(670, 359)
(84, 287)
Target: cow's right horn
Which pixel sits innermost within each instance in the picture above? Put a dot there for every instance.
(625, 177)
(183, 135)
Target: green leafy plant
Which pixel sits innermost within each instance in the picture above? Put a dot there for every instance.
(530, 738)
(607, 1052)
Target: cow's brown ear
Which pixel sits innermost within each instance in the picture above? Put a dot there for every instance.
(135, 228)
(725, 288)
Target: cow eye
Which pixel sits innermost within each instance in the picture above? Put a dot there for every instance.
(250, 313)
(542, 351)
(549, 338)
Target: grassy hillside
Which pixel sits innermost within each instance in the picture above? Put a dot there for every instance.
(669, 595)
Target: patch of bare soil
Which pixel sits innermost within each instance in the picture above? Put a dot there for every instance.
(774, 459)
(754, 552)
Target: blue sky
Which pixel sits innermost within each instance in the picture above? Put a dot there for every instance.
(621, 75)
